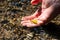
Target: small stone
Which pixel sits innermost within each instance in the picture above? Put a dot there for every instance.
(31, 35)
(46, 36)
(54, 39)
(4, 21)
(7, 34)
(14, 19)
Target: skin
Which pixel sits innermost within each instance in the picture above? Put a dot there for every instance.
(50, 9)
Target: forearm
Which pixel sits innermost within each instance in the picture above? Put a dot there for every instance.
(53, 10)
(50, 12)
(56, 7)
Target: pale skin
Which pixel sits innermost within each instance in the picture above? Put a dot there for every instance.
(50, 9)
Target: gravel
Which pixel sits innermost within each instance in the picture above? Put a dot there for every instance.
(11, 12)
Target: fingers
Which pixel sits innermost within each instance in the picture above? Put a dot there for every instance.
(35, 15)
(31, 24)
(25, 18)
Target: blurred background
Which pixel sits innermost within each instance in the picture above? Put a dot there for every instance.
(11, 12)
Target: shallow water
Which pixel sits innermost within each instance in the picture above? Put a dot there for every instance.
(11, 29)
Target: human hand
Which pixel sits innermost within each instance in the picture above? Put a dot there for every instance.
(42, 19)
(48, 13)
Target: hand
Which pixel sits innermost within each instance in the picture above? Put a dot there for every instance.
(48, 13)
(42, 19)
